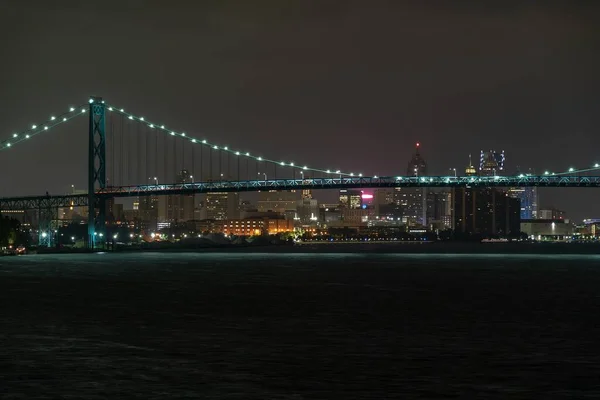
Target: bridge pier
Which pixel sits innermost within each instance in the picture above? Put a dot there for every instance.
(96, 171)
(47, 218)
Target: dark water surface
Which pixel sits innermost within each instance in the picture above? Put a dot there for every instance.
(299, 326)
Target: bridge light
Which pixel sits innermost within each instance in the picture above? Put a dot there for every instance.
(8, 144)
(546, 173)
(83, 110)
(571, 169)
(26, 136)
(91, 101)
(141, 118)
(44, 234)
(110, 108)
(204, 141)
(33, 126)
(225, 148)
(182, 133)
(337, 172)
(122, 110)
(65, 119)
(237, 153)
(162, 127)
(248, 154)
(15, 135)
(521, 175)
(399, 178)
(172, 133)
(52, 118)
(291, 164)
(328, 171)
(216, 147)
(305, 167)
(151, 126)
(375, 177)
(282, 164)
(360, 174)
(351, 173)
(130, 117)
(71, 109)
(101, 234)
(596, 165)
(45, 128)
(193, 140)
(259, 158)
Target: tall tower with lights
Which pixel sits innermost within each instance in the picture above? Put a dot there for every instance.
(415, 210)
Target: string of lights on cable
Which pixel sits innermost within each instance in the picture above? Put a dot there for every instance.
(215, 146)
(36, 129)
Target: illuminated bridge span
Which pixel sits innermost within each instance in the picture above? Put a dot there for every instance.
(37, 202)
(140, 157)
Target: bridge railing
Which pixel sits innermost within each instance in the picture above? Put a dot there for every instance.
(37, 202)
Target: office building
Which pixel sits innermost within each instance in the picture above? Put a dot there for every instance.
(279, 201)
(491, 163)
(307, 211)
(180, 207)
(222, 205)
(414, 200)
(485, 211)
(256, 226)
(350, 198)
(528, 198)
(552, 214)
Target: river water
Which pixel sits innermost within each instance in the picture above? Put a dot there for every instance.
(299, 326)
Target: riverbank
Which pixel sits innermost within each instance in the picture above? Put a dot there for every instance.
(380, 247)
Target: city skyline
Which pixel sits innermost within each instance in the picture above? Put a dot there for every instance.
(415, 73)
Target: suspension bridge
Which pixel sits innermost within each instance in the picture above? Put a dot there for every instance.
(131, 156)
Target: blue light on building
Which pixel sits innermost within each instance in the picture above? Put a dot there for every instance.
(528, 199)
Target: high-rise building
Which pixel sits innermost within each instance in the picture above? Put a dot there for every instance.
(528, 199)
(220, 204)
(439, 214)
(485, 211)
(279, 201)
(384, 205)
(307, 194)
(491, 163)
(350, 198)
(180, 207)
(148, 212)
(552, 213)
(417, 165)
(415, 199)
(307, 211)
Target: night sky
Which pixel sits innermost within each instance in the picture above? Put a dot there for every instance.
(348, 84)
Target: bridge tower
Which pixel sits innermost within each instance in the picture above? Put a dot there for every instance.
(96, 171)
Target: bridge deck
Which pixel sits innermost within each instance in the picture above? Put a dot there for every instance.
(36, 202)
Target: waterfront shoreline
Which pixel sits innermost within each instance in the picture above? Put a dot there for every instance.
(381, 247)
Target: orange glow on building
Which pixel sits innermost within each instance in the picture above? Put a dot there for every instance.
(256, 226)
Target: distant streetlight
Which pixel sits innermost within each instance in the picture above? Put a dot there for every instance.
(263, 173)
(453, 169)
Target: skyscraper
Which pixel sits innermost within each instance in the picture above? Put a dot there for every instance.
(180, 207)
(485, 211)
(528, 199)
(350, 198)
(415, 209)
(491, 163)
